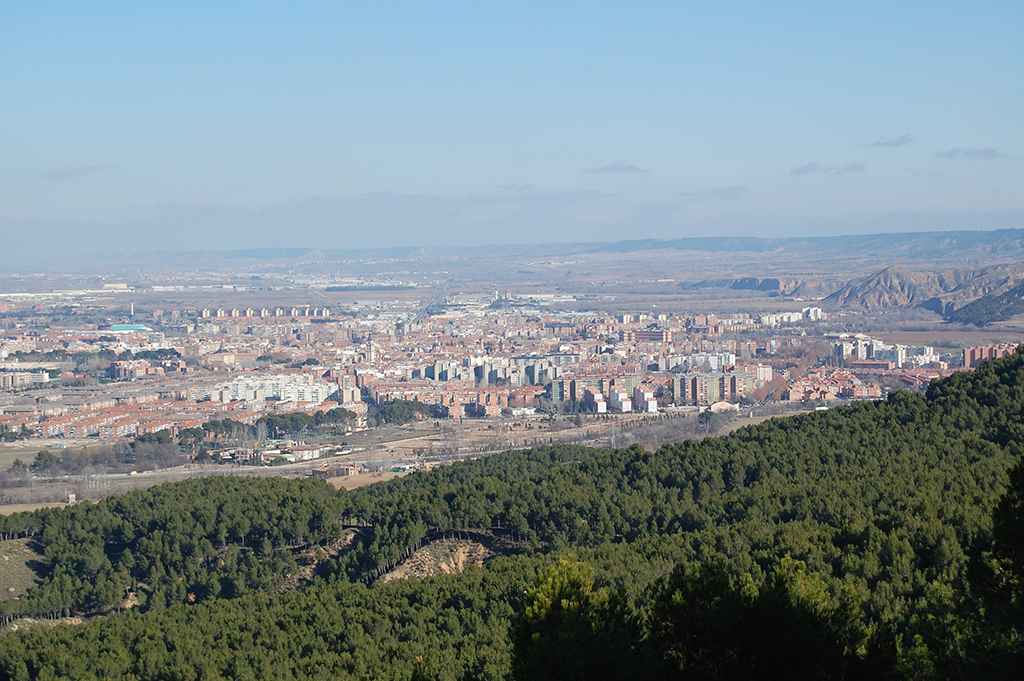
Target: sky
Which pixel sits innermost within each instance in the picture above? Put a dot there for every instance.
(367, 124)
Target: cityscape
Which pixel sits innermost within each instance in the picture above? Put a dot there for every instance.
(467, 341)
(479, 371)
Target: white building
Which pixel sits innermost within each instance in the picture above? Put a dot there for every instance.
(709, 361)
(282, 387)
(780, 318)
(618, 401)
(594, 401)
(643, 399)
(813, 314)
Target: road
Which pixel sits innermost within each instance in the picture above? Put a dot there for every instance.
(421, 445)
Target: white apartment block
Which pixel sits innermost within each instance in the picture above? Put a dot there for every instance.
(643, 400)
(286, 388)
(618, 401)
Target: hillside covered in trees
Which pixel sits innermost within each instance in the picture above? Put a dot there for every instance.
(175, 543)
(882, 540)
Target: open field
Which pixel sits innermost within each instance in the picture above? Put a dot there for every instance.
(350, 482)
(683, 302)
(744, 421)
(11, 452)
(8, 457)
(1013, 324)
(425, 443)
(950, 335)
(8, 509)
(26, 450)
(16, 577)
(199, 298)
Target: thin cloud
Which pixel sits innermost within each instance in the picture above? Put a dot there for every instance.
(814, 168)
(971, 154)
(892, 142)
(528, 193)
(518, 187)
(926, 172)
(726, 193)
(615, 168)
(73, 173)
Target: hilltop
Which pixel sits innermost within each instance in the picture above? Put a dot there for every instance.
(795, 287)
(943, 292)
(994, 307)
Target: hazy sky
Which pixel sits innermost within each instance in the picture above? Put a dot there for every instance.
(388, 123)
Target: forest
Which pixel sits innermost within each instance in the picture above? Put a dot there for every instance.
(182, 542)
(398, 412)
(880, 540)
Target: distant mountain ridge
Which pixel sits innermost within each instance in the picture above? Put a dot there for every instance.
(944, 292)
(971, 296)
(961, 246)
(794, 287)
(1002, 242)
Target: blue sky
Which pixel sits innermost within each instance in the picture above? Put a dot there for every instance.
(389, 123)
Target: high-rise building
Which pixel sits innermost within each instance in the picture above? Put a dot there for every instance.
(680, 389)
(618, 401)
(558, 390)
(643, 400)
(594, 401)
(975, 355)
(707, 388)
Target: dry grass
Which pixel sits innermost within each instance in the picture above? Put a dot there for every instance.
(953, 336)
(26, 450)
(8, 509)
(10, 453)
(349, 482)
(445, 557)
(16, 577)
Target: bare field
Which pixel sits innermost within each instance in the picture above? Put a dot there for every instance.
(10, 453)
(744, 421)
(952, 336)
(16, 577)
(445, 557)
(26, 450)
(8, 457)
(350, 482)
(426, 443)
(8, 509)
(1013, 325)
(276, 298)
(713, 300)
